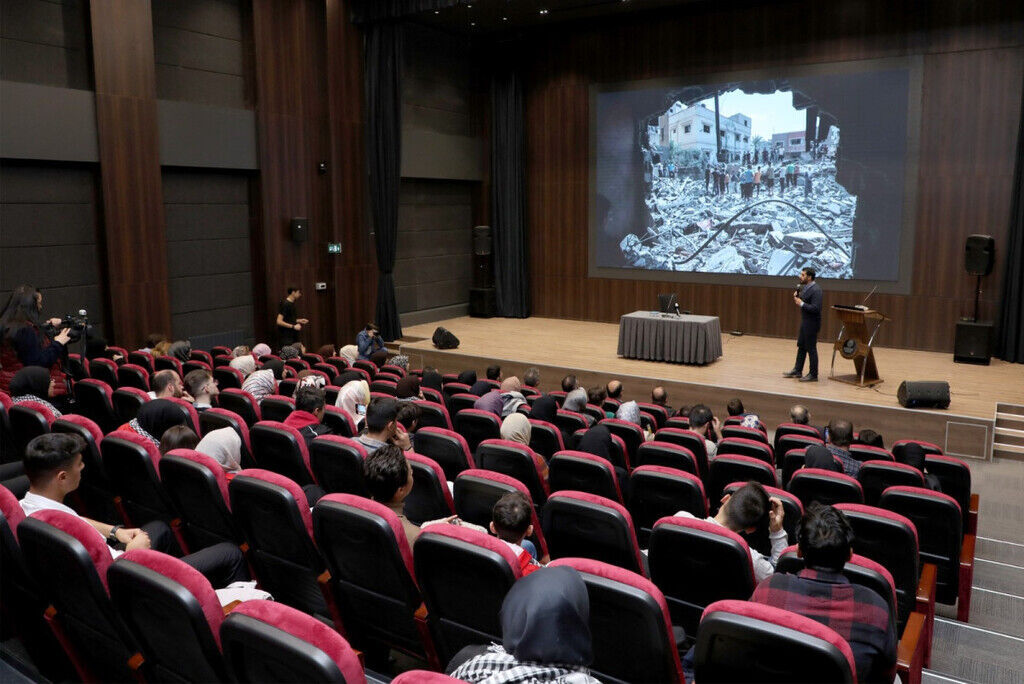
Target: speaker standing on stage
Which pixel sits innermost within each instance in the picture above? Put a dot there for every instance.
(288, 325)
(808, 297)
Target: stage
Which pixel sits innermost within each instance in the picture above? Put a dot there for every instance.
(751, 367)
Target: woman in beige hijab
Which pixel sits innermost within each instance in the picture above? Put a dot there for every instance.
(244, 364)
(353, 395)
(224, 446)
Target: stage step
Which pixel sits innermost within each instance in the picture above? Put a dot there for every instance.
(1008, 435)
(975, 654)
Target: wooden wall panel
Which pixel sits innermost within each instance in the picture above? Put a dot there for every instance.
(126, 117)
(973, 70)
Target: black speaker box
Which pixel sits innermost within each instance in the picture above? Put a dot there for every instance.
(923, 394)
(482, 240)
(483, 302)
(299, 230)
(979, 254)
(973, 343)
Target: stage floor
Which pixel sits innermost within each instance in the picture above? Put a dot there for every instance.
(750, 367)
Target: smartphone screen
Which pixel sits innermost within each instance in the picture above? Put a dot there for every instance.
(360, 409)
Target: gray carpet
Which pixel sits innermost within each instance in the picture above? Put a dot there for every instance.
(976, 655)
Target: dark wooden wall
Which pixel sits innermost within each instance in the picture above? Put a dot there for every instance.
(973, 56)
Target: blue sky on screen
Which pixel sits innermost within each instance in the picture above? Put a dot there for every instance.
(768, 114)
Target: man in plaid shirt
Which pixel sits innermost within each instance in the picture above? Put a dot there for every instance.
(822, 593)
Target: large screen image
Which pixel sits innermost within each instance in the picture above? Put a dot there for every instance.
(753, 176)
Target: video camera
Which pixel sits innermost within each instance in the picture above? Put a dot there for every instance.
(76, 324)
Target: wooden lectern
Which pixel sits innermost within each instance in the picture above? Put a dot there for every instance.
(854, 342)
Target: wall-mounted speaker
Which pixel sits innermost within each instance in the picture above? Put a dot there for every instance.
(299, 230)
(923, 394)
(979, 254)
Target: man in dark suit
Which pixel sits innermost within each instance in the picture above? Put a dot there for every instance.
(808, 297)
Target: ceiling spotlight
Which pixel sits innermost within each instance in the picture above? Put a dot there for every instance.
(437, 11)
(543, 11)
(504, 18)
(472, 23)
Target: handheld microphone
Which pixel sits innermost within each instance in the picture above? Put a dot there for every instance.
(799, 289)
(677, 309)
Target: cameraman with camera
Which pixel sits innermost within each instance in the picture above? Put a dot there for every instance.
(26, 341)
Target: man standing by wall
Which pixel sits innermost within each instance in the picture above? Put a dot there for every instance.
(288, 324)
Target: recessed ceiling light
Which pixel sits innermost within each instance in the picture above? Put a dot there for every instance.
(543, 11)
(437, 11)
(504, 18)
(472, 23)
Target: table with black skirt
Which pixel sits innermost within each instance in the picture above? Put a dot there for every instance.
(652, 336)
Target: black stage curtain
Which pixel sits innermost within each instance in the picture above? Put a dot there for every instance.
(1010, 344)
(384, 153)
(507, 193)
(364, 11)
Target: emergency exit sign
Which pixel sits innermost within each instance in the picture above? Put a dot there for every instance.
(334, 248)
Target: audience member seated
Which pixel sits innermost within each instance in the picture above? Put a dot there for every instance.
(152, 341)
(260, 384)
(224, 446)
(660, 397)
(511, 396)
(408, 417)
(178, 437)
(598, 441)
(744, 511)
(575, 400)
(350, 353)
(511, 523)
(596, 396)
(379, 358)
(33, 383)
(325, 351)
(704, 423)
(241, 350)
(277, 367)
(516, 428)
(202, 387)
(353, 398)
(290, 351)
(818, 456)
(823, 593)
(569, 383)
(400, 360)
(490, 402)
(432, 379)
(545, 408)
(388, 477)
(181, 350)
(840, 435)
(531, 378)
(614, 389)
(912, 454)
(53, 464)
(382, 427)
(310, 378)
(167, 384)
(467, 377)
(408, 389)
(735, 408)
(869, 437)
(245, 364)
(482, 387)
(309, 411)
(155, 418)
(368, 341)
(260, 350)
(630, 411)
(545, 629)
(799, 414)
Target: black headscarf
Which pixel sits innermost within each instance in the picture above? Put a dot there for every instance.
(180, 350)
(346, 377)
(432, 380)
(157, 416)
(276, 366)
(545, 619)
(818, 456)
(597, 441)
(31, 380)
(408, 387)
(911, 454)
(468, 377)
(544, 408)
(379, 357)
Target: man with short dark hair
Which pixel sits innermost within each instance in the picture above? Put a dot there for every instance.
(743, 511)
(735, 407)
(167, 384)
(388, 478)
(482, 387)
(569, 383)
(531, 378)
(494, 372)
(614, 389)
(704, 423)
(511, 522)
(288, 323)
(382, 426)
(203, 388)
(808, 297)
(823, 593)
(840, 436)
(53, 463)
(309, 411)
(596, 395)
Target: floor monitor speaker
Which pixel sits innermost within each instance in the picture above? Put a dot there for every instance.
(923, 394)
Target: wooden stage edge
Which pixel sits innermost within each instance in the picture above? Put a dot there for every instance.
(751, 368)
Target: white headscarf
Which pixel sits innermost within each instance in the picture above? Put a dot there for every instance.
(260, 384)
(516, 427)
(223, 445)
(246, 364)
(351, 395)
(261, 349)
(629, 411)
(576, 400)
(350, 353)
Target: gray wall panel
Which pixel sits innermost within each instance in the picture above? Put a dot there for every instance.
(215, 17)
(44, 42)
(45, 123)
(201, 135)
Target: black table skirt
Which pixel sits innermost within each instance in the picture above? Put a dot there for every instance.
(682, 339)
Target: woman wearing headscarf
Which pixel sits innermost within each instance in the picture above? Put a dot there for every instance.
(260, 384)
(276, 367)
(309, 378)
(379, 357)
(345, 377)
(241, 350)
(400, 360)
(511, 396)
(353, 395)
(408, 388)
(432, 380)
(913, 455)
(467, 377)
(817, 456)
(630, 411)
(244, 365)
(598, 441)
(516, 428)
(545, 634)
(575, 400)
(180, 350)
(490, 402)
(33, 383)
(326, 351)
(290, 351)
(224, 446)
(544, 408)
(155, 418)
(260, 350)
(350, 353)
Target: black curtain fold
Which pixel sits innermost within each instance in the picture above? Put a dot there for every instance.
(384, 152)
(364, 11)
(508, 197)
(1010, 342)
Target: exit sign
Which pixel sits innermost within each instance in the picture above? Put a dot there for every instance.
(334, 248)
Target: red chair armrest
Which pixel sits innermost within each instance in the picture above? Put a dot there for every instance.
(926, 604)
